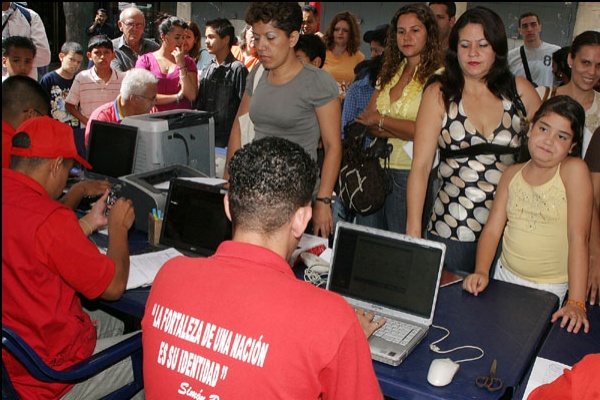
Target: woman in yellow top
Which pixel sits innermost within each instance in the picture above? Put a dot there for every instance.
(413, 53)
(342, 40)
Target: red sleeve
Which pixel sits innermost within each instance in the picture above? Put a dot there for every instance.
(350, 375)
(580, 382)
(73, 256)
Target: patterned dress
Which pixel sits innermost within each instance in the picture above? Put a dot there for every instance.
(469, 183)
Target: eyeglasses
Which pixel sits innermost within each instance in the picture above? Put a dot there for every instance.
(38, 112)
(131, 24)
(153, 98)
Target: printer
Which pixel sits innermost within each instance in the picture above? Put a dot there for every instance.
(174, 137)
(148, 190)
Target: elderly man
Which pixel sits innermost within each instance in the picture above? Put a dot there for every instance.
(137, 96)
(131, 44)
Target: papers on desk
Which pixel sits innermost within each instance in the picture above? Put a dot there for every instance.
(544, 371)
(144, 267)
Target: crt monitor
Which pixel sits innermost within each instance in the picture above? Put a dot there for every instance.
(111, 149)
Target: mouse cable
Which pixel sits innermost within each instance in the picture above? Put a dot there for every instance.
(433, 347)
(314, 277)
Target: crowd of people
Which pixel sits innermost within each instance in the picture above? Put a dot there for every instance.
(494, 153)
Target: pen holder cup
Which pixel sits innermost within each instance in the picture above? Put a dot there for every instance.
(154, 227)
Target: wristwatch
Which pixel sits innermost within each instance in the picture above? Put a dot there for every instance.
(326, 200)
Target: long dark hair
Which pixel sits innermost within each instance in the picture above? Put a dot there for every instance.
(499, 79)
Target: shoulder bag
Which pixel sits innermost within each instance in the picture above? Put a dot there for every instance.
(246, 124)
(363, 182)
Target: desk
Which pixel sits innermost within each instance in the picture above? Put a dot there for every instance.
(568, 348)
(507, 321)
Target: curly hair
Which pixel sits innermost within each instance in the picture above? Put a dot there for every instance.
(269, 179)
(284, 16)
(431, 58)
(354, 41)
(499, 78)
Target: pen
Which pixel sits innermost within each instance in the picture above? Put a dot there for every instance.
(160, 215)
(154, 214)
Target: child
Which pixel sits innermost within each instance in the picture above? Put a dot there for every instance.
(18, 53)
(311, 49)
(57, 83)
(543, 207)
(95, 86)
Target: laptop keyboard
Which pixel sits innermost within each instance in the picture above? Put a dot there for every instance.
(396, 331)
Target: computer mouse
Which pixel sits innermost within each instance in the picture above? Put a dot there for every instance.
(441, 371)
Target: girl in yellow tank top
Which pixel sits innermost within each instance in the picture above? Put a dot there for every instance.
(542, 211)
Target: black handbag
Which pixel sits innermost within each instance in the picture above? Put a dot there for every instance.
(364, 182)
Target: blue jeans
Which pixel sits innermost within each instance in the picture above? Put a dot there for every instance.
(460, 256)
(392, 216)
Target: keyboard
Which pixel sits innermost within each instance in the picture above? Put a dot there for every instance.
(396, 331)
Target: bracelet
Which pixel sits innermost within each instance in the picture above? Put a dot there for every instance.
(184, 67)
(177, 98)
(326, 200)
(578, 304)
(381, 123)
(88, 225)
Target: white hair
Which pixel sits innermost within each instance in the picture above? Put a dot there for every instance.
(135, 82)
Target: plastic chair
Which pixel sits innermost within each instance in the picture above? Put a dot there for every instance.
(130, 347)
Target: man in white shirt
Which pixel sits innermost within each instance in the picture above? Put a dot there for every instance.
(538, 54)
(20, 21)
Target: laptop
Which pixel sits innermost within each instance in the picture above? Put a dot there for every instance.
(394, 275)
(194, 219)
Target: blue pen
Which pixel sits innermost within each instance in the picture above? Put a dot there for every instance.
(154, 214)
(160, 215)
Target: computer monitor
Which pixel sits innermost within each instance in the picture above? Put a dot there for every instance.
(112, 148)
(174, 137)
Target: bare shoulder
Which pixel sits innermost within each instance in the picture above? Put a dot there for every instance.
(572, 167)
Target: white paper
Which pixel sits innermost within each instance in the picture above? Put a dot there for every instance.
(306, 243)
(199, 179)
(544, 371)
(144, 267)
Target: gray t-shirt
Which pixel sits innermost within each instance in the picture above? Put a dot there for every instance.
(288, 110)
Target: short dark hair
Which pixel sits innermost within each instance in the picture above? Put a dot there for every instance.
(19, 42)
(21, 92)
(269, 180)
(71, 47)
(99, 41)
(313, 46)
(311, 8)
(286, 16)
(101, 10)
(528, 14)
(224, 28)
(450, 7)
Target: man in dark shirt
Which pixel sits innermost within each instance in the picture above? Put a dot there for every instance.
(100, 27)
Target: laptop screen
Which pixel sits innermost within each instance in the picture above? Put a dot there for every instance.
(195, 218)
(111, 149)
(385, 268)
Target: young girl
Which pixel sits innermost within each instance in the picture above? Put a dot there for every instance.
(543, 208)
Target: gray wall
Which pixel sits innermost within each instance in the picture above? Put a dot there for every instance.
(558, 18)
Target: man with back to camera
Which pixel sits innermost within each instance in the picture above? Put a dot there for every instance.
(48, 263)
(250, 324)
(310, 21)
(445, 15)
(132, 44)
(536, 53)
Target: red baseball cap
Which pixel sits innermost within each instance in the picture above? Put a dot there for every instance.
(49, 139)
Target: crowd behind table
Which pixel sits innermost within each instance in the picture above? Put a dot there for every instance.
(457, 106)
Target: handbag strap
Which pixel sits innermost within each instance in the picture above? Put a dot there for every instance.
(526, 66)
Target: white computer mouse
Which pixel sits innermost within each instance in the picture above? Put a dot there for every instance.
(441, 371)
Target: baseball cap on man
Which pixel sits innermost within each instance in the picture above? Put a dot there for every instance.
(378, 34)
(49, 139)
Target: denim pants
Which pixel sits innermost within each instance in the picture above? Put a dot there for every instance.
(392, 216)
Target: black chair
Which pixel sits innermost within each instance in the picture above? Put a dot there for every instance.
(130, 347)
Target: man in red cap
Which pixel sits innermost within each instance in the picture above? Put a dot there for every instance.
(48, 262)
